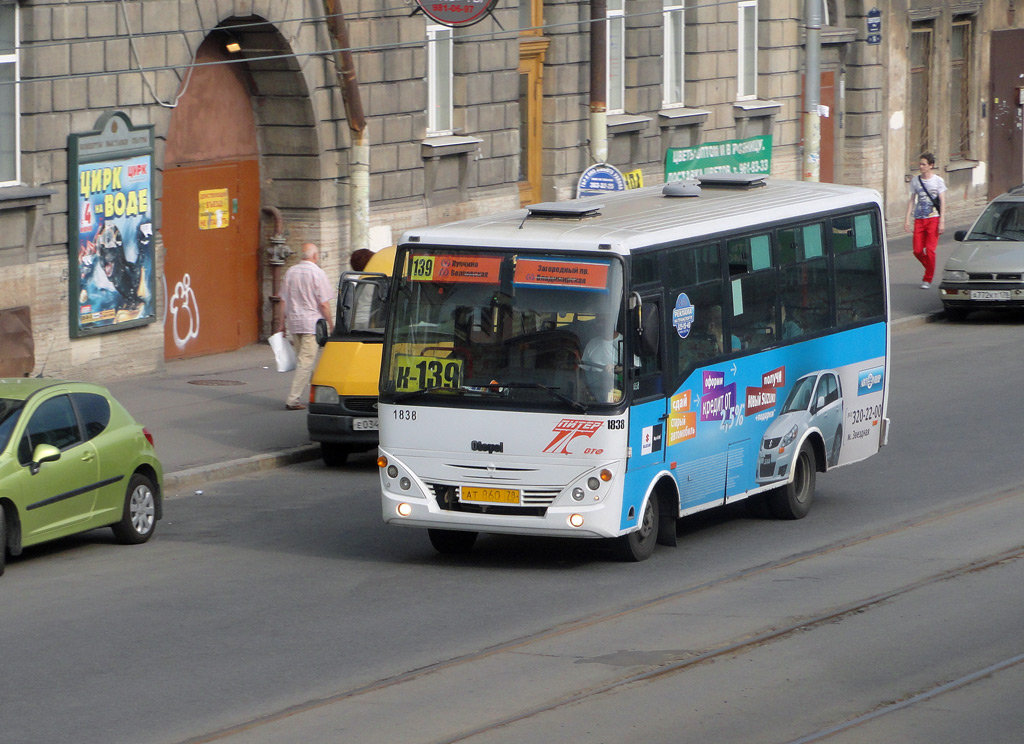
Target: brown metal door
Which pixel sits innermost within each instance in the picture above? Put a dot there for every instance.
(211, 265)
(1005, 143)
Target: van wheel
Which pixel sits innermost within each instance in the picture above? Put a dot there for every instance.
(138, 520)
(334, 455)
(793, 500)
(639, 545)
(452, 542)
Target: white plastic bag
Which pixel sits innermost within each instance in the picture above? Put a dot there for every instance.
(284, 353)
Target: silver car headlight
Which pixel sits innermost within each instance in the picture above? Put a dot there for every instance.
(325, 394)
(790, 436)
(954, 276)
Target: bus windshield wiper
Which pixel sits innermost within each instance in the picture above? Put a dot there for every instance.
(553, 392)
(462, 390)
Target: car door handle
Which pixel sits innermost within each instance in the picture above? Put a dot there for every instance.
(88, 457)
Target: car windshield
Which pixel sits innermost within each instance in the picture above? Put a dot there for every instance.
(1002, 220)
(480, 328)
(800, 396)
(9, 410)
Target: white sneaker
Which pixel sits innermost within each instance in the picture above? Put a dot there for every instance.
(925, 285)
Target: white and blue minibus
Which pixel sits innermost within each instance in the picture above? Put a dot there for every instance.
(601, 367)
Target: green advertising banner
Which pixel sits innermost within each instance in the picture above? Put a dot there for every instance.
(751, 155)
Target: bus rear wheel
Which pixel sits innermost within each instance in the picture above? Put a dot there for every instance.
(793, 500)
(639, 545)
(451, 542)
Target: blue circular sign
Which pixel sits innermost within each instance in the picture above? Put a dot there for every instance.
(600, 179)
(682, 315)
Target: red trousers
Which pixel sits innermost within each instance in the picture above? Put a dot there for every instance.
(926, 239)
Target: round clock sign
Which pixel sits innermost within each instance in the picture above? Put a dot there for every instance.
(464, 13)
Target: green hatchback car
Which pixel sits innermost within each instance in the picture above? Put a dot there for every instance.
(72, 459)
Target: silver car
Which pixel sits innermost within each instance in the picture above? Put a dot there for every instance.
(986, 271)
(814, 404)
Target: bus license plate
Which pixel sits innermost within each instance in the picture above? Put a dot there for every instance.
(365, 424)
(490, 495)
(990, 294)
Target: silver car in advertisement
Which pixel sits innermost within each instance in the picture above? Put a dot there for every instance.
(986, 271)
(814, 403)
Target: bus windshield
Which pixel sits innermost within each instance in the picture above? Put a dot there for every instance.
(529, 330)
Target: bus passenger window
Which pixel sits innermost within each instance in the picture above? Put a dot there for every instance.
(803, 281)
(753, 292)
(859, 274)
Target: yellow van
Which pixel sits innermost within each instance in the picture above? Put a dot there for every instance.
(342, 414)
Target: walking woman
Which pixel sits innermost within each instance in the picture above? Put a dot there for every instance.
(928, 208)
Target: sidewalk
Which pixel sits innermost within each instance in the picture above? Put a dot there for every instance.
(222, 416)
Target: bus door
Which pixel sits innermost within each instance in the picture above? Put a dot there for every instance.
(648, 415)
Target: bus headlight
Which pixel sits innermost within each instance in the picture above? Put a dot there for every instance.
(577, 493)
(403, 509)
(404, 484)
(593, 484)
(392, 471)
(575, 520)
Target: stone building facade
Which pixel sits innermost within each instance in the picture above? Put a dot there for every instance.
(243, 101)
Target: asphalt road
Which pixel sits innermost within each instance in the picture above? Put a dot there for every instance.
(278, 608)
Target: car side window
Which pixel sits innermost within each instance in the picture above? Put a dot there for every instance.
(53, 422)
(831, 390)
(94, 411)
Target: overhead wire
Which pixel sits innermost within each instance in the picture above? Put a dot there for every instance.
(465, 36)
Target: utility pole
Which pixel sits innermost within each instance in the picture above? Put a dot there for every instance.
(812, 92)
(359, 156)
(598, 81)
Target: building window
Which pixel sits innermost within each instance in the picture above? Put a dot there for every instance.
(674, 77)
(959, 89)
(615, 46)
(747, 51)
(9, 119)
(920, 74)
(439, 80)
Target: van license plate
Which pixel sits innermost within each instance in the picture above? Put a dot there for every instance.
(490, 495)
(990, 294)
(365, 424)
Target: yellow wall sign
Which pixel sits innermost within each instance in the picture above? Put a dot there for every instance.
(634, 179)
(213, 209)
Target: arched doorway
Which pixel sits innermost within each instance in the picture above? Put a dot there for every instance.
(211, 212)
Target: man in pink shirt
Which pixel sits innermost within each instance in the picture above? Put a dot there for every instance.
(306, 294)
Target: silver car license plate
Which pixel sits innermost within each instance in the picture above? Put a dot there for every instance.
(365, 424)
(990, 294)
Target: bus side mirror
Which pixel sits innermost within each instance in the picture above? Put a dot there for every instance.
(650, 326)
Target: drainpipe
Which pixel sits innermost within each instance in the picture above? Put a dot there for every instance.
(277, 252)
(812, 93)
(359, 156)
(598, 81)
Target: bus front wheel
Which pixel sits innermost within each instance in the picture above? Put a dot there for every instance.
(793, 500)
(639, 545)
(451, 542)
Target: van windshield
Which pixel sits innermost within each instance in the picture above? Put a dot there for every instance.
(479, 327)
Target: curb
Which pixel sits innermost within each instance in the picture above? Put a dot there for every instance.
(908, 322)
(187, 480)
